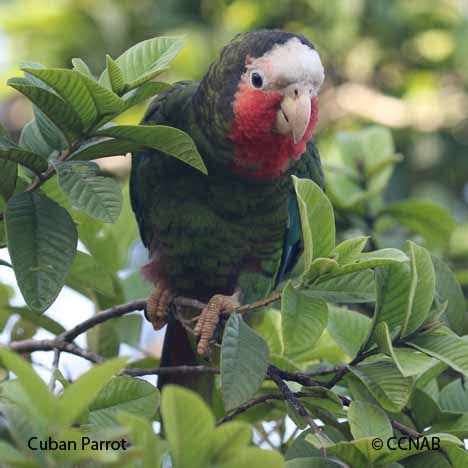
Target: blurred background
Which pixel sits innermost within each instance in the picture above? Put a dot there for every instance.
(401, 64)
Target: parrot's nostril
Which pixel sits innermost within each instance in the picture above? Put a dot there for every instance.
(296, 92)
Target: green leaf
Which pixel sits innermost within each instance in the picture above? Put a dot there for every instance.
(422, 291)
(244, 362)
(129, 329)
(12, 457)
(189, 427)
(385, 383)
(144, 439)
(8, 175)
(360, 453)
(352, 288)
(374, 259)
(104, 148)
(169, 140)
(99, 197)
(87, 274)
(348, 328)
(454, 397)
(115, 75)
(431, 221)
(228, 439)
(313, 205)
(70, 87)
(409, 362)
(30, 382)
(303, 320)
(62, 114)
(32, 139)
(448, 289)
(145, 60)
(81, 67)
(252, 456)
(40, 320)
(267, 323)
(313, 462)
(393, 290)
(450, 349)
(144, 92)
(22, 330)
(52, 135)
(11, 152)
(42, 242)
(348, 250)
(128, 394)
(77, 397)
(367, 420)
(107, 103)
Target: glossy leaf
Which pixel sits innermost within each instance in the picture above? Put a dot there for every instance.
(169, 140)
(422, 291)
(42, 242)
(353, 288)
(448, 348)
(349, 250)
(33, 386)
(99, 197)
(303, 320)
(189, 427)
(128, 394)
(69, 85)
(348, 328)
(385, 383)
(314, 205)
(144, 92)
(32, 139)
(86, 273)
(448, 289)
(145, 60)
(80, 66)
(11, 152)
(62, 114)
(77, 397)
(104, 148)
(115, 75)
(368, 420)
(244, 362)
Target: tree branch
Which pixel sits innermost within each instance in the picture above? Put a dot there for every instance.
(275, 375)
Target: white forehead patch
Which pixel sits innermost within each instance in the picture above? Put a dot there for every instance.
(290, 62)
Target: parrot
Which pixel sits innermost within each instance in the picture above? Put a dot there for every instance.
(232, 236)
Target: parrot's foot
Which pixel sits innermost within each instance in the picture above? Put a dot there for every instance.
(209, 318)
(157, 304)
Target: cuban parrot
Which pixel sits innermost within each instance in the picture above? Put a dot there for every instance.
(231, 236)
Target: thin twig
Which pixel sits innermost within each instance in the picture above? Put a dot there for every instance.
(101, 317)
(55, 367)
(180, 370)
(29, 346)
(289, 396)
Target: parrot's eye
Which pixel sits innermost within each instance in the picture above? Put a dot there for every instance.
(256, 79)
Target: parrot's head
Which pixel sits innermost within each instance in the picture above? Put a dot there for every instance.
(265, 87)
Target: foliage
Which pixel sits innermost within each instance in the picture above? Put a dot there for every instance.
(368, 337)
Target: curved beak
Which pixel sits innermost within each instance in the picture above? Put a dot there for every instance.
(294, 114)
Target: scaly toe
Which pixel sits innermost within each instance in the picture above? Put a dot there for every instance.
(156, 306)
(209, 318)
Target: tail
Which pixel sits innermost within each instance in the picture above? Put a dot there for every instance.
(178, 350)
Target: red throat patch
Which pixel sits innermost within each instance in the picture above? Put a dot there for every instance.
(259, 153)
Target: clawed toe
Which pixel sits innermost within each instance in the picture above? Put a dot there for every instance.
(156, 306)
(209, 318)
